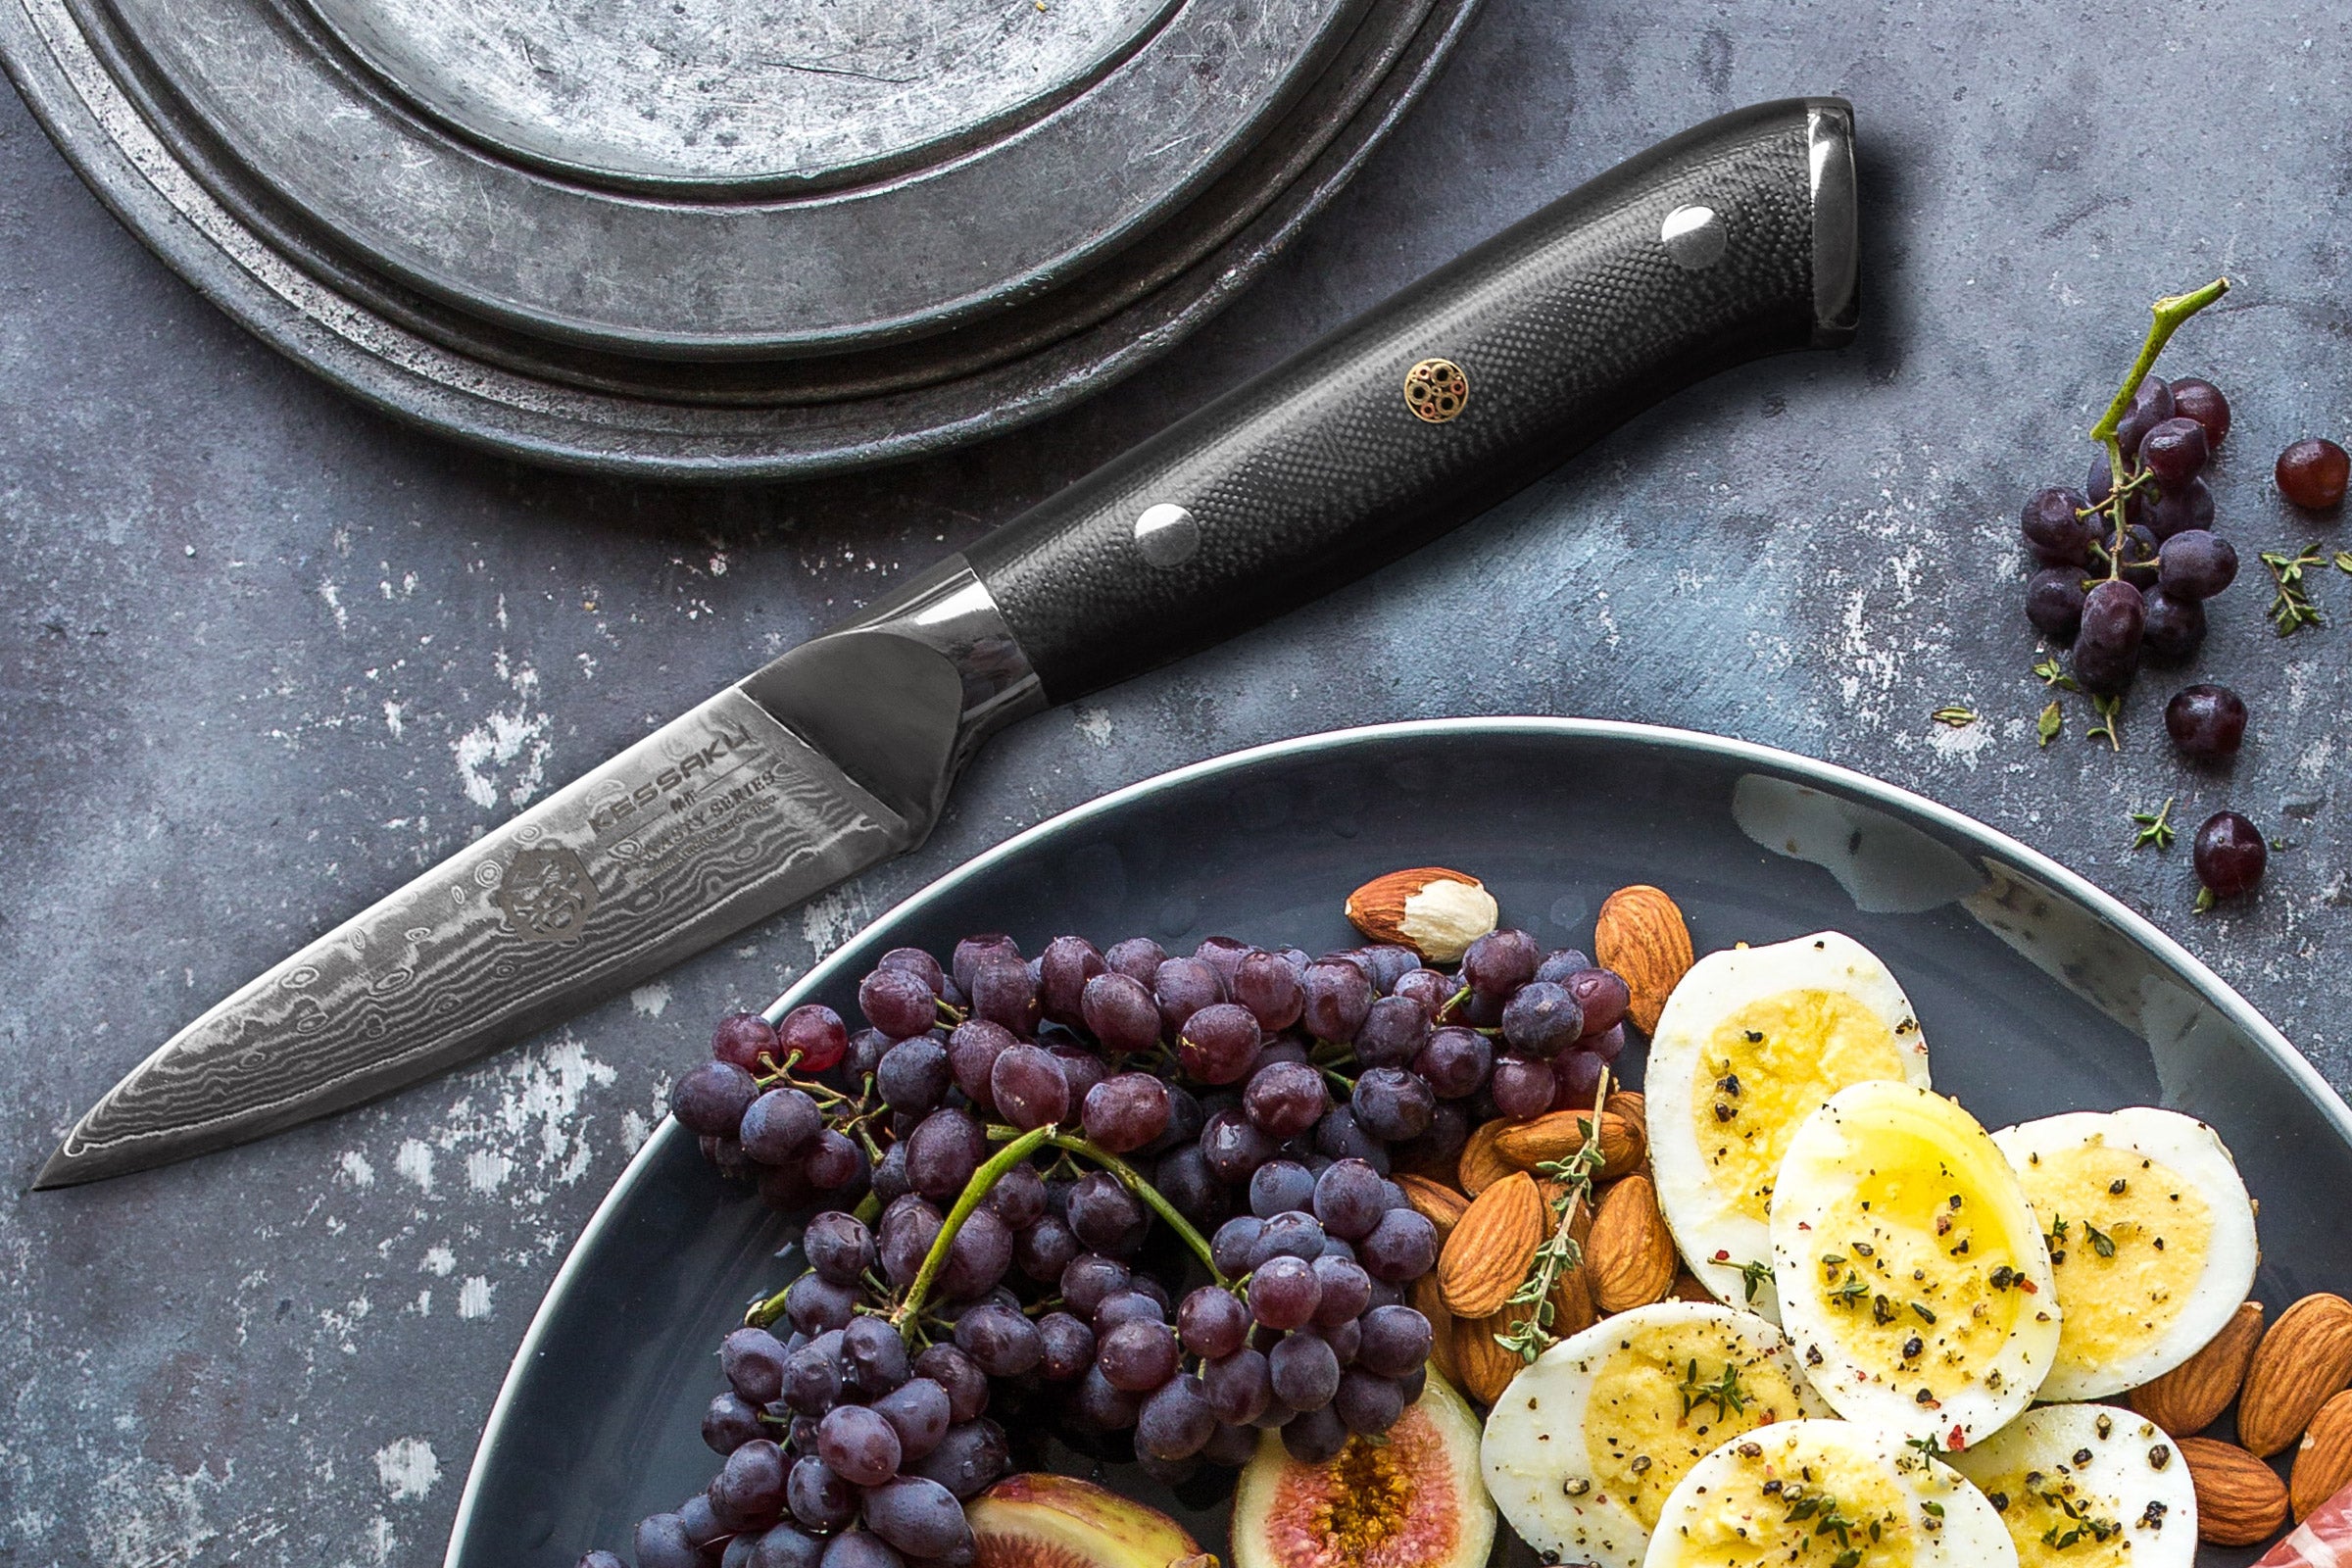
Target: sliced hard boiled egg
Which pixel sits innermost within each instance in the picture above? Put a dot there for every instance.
(1911, 1273)
(1826, 1495)
(2151, 1240)
(2087, 1486)
(1584, 1445)
(1750, 1041)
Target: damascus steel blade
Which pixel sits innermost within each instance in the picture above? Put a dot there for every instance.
(713, 821)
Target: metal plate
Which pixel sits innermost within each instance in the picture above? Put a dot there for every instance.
(565, 377)
(2040, 994)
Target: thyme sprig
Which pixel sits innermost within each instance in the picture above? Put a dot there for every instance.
(2292, 607)
(1530, 1335)
(2154, 827)
(1725, 1393)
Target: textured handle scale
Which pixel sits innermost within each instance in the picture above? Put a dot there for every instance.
(1319, 470)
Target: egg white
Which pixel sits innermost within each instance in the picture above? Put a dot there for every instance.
(1563, 1441)
(1827, 1007)
(1911, 1272)
(2108, 1478)
(1767, 1497)
(2150, 1274)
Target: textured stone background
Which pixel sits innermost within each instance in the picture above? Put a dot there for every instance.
(267, 655)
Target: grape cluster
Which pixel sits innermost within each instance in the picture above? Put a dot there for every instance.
(2128, 563)
(1144, 1199)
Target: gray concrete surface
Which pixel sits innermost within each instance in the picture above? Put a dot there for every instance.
(267, 655)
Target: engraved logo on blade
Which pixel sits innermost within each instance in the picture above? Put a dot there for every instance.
(547, 894)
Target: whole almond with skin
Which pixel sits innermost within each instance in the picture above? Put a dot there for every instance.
(1436, 912)
(1632, 1107)
(1482, 1165)
(1573, 1309)
(1485, 1258)
(1487, 1368)
(1630, 1251)
(2240, 1500)
(1557, 1134)
(1435, 1202)
(1641, 935)
(2324, 1458)
(2192, 1396)
(1424, 1297)
(2305, 1357)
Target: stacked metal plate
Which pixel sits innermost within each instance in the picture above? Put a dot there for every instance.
(720, 238)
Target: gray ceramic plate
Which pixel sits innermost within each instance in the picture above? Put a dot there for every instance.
(2041, 993)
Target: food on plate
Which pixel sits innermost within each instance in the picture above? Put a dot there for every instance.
(2193, 1395)
(2324, 1458)
(1048, 1521)
(1640, 934)
(1583, 1448)
(2240, 1500)
(1412, 1501)
(2303, 1358)
(2087, 1484)
(1911, 1273)
(2150, 1236)
(1822, 1493)
(1436, 912)
(1750, 1041)
(2321, 1539)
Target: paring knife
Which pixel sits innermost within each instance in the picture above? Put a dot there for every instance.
(1733, 240)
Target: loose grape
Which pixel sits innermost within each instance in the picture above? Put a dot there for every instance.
(969, 1460)
(1120, 1012)
(2195, 565)
(742, 1038)
(2181, 508)
(896, 1003)
(1542, 1019)
(1338, 998)
(1304, 1371)
(778, 1124)
(1521, 1087)
(710, 1098)
(753, 1363)
(1279, 1187)
(2313, 474)
(1500, 963)
(2175, 629)
(1175, 1421)
(2206, 722)
(2230, 855)
(2107, 649)
(818, 1497)
(1350, 1197)
(1270, 989)
(1286, 1098)
(1063, 972)
(1402, 1246)
(919, 1516)
(2059, 529)
(1000, 1342)
(2174, 450)
(1106, 1215)
(1213, 1322)
(1137, 1357)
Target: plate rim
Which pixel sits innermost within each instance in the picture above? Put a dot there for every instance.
(1671, 739)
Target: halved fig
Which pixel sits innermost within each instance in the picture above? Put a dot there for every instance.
(1414, 1499)
(1047, 1521)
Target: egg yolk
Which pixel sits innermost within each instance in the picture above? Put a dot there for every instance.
(1811, 1507)
(1917, 1276)
(1765, 1067)
(2056, 1523)
(1666, 1397)
(2128, 1242)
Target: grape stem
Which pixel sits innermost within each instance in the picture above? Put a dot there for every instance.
(975, 1193)
(1130, 1178)
(2168, 313)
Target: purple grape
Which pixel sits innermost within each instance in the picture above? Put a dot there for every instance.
(1137, 958)
(1542, 1019)
(1098, 1406)
(1367, 1405)
(1283, 1293)
(905, 1240)
(662, 1542)
(1070, 1347)
(1339, 1136)
(1176, 1421)
(1234, 1247)
(1228, 1445)
(1019, 1197)
(859, 1549)
(972, 1053)
(2181, 508)
(969, 1460)
(710, 1098)
(1345, 1292)
(831, 1162)
(742, 1038)
(897, 1003)
(867, 1047)
(1219, 1043)
(750, 1484)
(919, 1412)
(1391, 1104)
(2059, 527)
(1007, 993)
(1235, 1147)
(1125, 1112)
(784, 1545)
(1449, 1130)
(919, 1516)
(873, 1355)
(1063, 972)
(1120, 1013)
(1394, 1032)
(1304, 1371)
(2054, 602)
(1137, 1357)
(818, 1497)
(1402, 1246)
(1106, 1216)
(2174, 450)
(814, 1306)
(1602, 993)
(1349, 1199)
(1296, 1234)
(2139, 555)
(753, 1363)
(704, 1527)
(1500, 963)
(943, 1152)
(1387, 964)
(2198, 399)
(1000, 1342)
(730, 1423)
(912, 1075)
(1091, 1280)
(1213, 1322)
(1395, 1340)
(915, 961)
(1286, 1098)
(978, 1258)
(2174, 628)
(1337, 1000)
(1429, 988)
(2107, 649)
(2151, 405)
(1081, 1068)
(1028, 1088)
(1280, 1186)
(2195, 565)
(960, 1375)
(2230, 855)
(778, 1125)
(1183, 986)
(1137, 1304)
(2206, 722)
(974, 952)
(812, 1375)
(1270, 989)
(1455, 1062)
(1576, 1077)
(1044, 1249)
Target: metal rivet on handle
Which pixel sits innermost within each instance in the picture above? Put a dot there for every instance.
(1166, 535)
(1437, 390)
(1693, 237)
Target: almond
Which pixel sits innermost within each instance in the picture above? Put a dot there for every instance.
(1436, 912)
(2306, 1356)
(1687, 1289)
(1632, 1107)
(1486, 1257)
(2240, 1500)
(1630, 1251)
(2192, 1396)
(1424, 1297)
(1482, 1165)
(1435, 1202)
(1641, 935)
(1558, 1134)
(1572, 1306)
(2323, 1459)
(1487, 1368)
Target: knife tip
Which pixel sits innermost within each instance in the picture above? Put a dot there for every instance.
(63, 1169)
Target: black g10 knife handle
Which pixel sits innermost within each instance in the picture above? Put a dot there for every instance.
(1733, 240)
